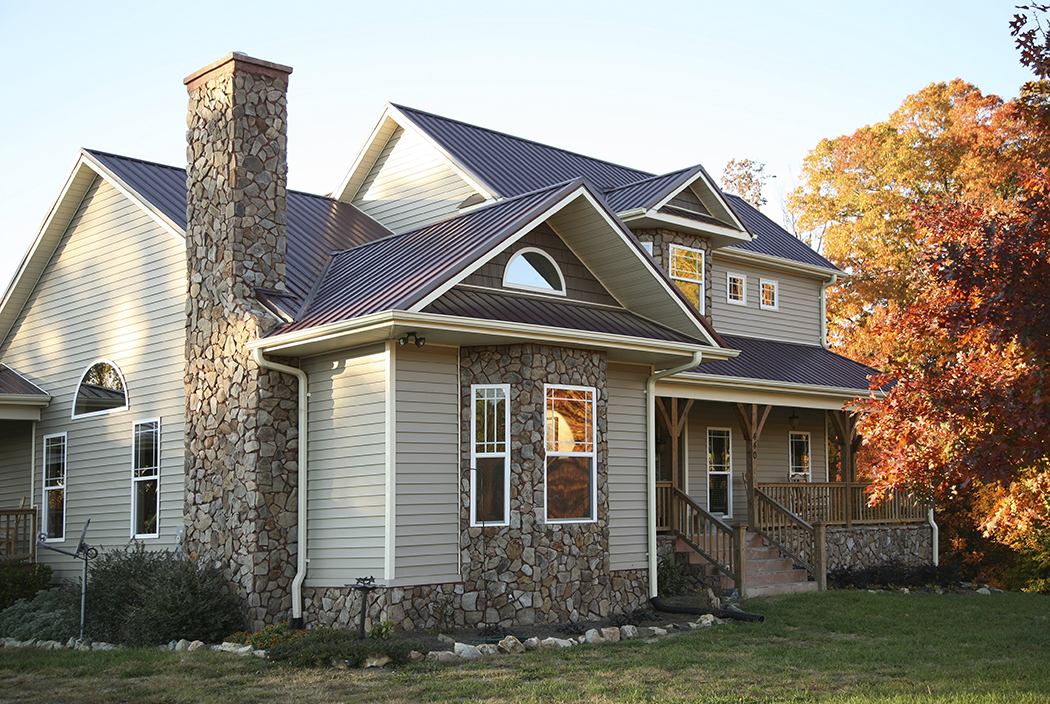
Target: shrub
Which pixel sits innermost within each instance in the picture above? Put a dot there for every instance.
(892, 574)
(326, 647)
(266, 638)
(142, 597)
(53, 614)
(19, 580)
(671, 577)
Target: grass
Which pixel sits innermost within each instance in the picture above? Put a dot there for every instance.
(843, 646)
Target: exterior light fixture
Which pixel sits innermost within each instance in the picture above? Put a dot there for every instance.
(793, 419)
(412, 337)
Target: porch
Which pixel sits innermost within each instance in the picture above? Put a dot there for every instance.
(18, 535)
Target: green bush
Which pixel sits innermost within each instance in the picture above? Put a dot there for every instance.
(893, 574)
(53, 614)
(19, 580)
(266, 638)
(141, 597)
(671, 577)
(326, 647)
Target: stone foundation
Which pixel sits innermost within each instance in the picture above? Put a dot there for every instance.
(867, 546)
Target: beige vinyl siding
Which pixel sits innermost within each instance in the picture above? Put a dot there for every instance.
(427, 472)
(15, 453)
(773, 458)
(580, 283)
(114, 289)
(347, 467)
(627, 486)
(797, 318)
(410, 184)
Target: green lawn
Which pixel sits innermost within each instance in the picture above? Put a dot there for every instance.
(835, 647)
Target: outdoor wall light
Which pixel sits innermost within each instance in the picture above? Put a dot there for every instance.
(412, 337)
(792, 419)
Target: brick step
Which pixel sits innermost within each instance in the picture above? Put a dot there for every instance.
(768, 572)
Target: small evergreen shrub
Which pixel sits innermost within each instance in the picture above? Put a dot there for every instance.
(20, 580)
(892, 574)
(326, 647)
(266, 638)
(671, 577)
(141, 597)
(53, 614)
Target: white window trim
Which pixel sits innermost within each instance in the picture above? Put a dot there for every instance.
(776, 294)
(45, 489)
(534, 289)
(743, 287)
(80, 380)
(135, 480)
(728, 474)
(702, 302)
(474, 455)
(647, 246)
(593, 454)
(809, 442)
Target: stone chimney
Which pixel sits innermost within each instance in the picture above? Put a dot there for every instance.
(241, 431)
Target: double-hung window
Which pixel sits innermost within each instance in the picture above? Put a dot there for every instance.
(687, 270)
(54, 518)
(800, 448)
(145, 479)
(570, 484)
(490, 455)
(719, 471)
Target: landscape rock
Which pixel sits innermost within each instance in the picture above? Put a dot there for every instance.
(377, 661)
(592, 636)
(182, 645)
(532, 643)
(195, 646)
(467, 652)
(628, 632)
(554, 643)
(416, 656)
(511, 646)
(984, 590)
(442, 656)
(446, 639)
(489, 649)
(611, 635)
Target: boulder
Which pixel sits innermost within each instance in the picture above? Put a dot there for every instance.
(442, 656)
(532, 643)
(628, 632)
(467, 652)
(592, 636)
(195, 646)
(511, 646)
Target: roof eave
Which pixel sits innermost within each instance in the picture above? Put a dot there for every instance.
(742, 389)
(768, 261)
(719, 236)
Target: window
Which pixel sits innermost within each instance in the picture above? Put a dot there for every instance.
(648, 247)
(800, 468)
(687, 270)
(532, 269)
(54, 519)
(769, 299)
(490, 455)
(101, 390)
(570, 486)
(145, 478)
(736, 289)
(719, 471)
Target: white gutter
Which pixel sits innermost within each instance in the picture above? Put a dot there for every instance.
(936, 539)
(650, 458)
(304, 396)
(824, 311)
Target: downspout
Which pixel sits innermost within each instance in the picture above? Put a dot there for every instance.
(304, 395)
(936, 537)
(650, 457)
(824, 310)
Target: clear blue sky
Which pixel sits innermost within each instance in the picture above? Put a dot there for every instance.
(654, 85)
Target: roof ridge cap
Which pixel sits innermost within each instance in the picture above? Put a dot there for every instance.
(611, 189)
(97, 153)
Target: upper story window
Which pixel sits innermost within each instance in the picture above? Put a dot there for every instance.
(533, 269)
(687, 270)
(101, 390)
(770, 295)
(736, 289)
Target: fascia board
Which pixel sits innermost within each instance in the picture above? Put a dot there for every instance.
(767, 261)
(34, 400)
(433, 322)
(133, 195)
(472, 179)
(362, 163)
(737, 389)
(701, 175)
(677, 222)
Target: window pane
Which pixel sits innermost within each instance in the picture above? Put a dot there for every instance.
(569, 424)
(569, 487)
(534, 270)
(490, 489)
(147, 449)
(56, 502)
(691, 291)
(146, 507)
(718, 493)
(769, 294)
(736, 288)
(101, 389)
(54, 461)
(800, 453)
(718, 450)
(687, 263)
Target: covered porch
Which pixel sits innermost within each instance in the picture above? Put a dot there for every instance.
(21, 403)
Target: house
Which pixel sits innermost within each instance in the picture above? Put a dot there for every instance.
(490, 373)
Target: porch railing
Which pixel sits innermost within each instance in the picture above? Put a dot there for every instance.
(838, 503)
(18, 535)
(803, 542)
(718, 542)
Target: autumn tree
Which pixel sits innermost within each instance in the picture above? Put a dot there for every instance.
(860, 191)
(745, 178)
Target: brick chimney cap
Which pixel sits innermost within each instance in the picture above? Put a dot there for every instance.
(236, 61)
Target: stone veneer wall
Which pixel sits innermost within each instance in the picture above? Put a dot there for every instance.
(662, 240)
(241, 420)
(867, 546)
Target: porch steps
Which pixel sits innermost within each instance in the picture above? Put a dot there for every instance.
(768, 573)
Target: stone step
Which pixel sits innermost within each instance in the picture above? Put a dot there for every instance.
(768, 572)
(775, 589)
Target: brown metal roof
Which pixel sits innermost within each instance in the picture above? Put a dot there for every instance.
(536, 310)
(647, 192)
(789, 363)
(771, 238)
(511, 165)
(14, 384)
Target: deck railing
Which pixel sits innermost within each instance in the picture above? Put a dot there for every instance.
(838, 503)
(803, 542)
(18, 535)
(718, 542)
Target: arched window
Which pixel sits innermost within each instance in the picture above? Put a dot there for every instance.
(533, 269)
(101, 390)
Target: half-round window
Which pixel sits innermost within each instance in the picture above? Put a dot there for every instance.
(101, 390)
(533, 270)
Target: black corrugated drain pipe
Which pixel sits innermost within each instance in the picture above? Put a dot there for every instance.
(699, 611)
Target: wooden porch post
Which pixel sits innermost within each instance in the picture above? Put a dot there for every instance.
(820, 556)
(752, 418)
(674, 428)
(845, 426)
